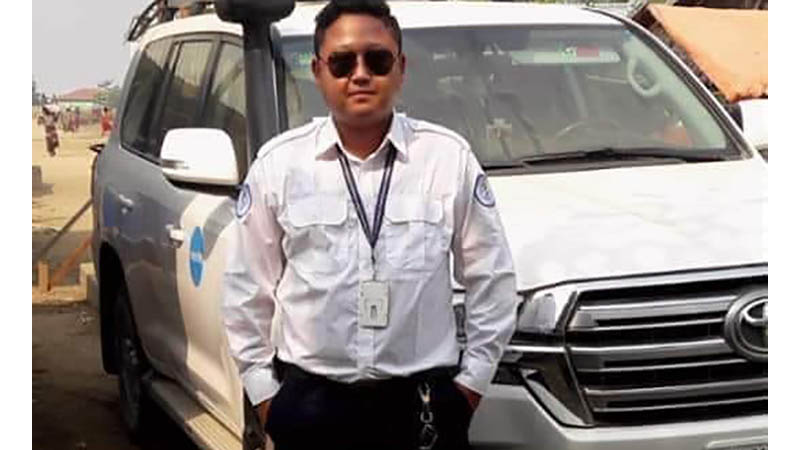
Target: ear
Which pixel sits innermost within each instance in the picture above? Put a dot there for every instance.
(401, 61)
(316, 67)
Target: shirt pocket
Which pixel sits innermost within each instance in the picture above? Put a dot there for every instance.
(318, 234)
(416, 236)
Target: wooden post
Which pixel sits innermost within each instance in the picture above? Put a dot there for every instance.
(61, 232)
(70, 262)
(44, 276)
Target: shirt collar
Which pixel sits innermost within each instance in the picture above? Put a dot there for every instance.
(328, 137)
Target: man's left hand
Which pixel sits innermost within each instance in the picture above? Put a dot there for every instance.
(472, 397)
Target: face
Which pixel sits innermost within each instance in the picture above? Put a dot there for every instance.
(360, 98)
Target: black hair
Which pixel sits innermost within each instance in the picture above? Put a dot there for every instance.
(375, 8)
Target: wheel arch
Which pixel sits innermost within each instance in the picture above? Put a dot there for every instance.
(111, 278)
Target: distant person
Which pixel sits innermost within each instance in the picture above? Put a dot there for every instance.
(106, 121)
(76, 120)
(71, 120)
(51, 116)
(64, 120)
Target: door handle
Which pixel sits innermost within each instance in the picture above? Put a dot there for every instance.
(126, 203)
(175, 235)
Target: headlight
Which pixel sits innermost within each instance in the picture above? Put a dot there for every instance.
(542, 313)
(537, 357)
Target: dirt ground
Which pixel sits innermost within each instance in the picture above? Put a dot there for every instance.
(66, 179)
(75, 404)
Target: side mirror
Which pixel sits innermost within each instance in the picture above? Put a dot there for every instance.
(199, 155)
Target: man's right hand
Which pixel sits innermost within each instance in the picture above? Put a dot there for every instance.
(262, 409)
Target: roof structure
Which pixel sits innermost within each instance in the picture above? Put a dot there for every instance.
(729, 46)
(80, 95)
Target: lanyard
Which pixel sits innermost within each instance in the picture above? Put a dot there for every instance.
(383, 193)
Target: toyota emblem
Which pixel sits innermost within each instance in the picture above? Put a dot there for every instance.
(746, 329)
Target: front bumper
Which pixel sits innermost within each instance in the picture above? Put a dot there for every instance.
(510, 418)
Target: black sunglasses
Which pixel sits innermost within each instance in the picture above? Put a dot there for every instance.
(342, 64)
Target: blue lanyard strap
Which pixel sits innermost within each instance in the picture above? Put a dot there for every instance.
(383, 193)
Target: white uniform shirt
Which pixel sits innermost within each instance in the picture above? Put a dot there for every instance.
(292, 278)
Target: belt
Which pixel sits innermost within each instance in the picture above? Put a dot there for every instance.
(287, 370)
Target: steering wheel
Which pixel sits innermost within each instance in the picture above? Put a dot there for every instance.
(652, 91)
(587, 124)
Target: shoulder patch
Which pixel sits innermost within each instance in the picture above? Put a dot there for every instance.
(483, 193)
(244, 202)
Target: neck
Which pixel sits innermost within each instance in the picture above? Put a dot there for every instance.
(364, 140)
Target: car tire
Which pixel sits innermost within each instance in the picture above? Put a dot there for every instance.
(135, 404)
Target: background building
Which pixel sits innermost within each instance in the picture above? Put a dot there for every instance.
(84, 98)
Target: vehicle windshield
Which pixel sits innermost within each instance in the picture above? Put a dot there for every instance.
(525, 93)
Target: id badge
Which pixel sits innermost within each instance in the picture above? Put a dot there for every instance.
(373, 304)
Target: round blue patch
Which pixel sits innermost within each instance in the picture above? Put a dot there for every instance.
(483, 194)
(196, 259)
(244, 202)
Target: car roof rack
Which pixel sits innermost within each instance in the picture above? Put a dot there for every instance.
(160, 11)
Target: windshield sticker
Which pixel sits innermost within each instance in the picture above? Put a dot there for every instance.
(483, 194)
(244, 202)
(196, 258)
(565, 55)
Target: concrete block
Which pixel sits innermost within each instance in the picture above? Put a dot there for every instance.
(36, 178)
(88, 284)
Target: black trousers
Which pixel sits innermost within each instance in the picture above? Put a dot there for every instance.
(313, 412)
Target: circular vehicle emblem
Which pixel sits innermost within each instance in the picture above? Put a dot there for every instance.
(746, 325)
(196, 251)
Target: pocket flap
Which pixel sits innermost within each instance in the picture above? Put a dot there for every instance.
(403, 208)
(317, 210)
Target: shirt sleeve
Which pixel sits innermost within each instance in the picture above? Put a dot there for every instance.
(483, 265)
(254, 267)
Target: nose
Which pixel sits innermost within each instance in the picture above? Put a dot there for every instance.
(361, 75)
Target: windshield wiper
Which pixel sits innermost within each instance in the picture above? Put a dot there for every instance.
(503, 165)
(614, 153)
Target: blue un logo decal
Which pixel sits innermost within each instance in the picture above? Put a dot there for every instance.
(196, 258)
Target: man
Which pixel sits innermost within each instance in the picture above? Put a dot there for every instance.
(338, 290)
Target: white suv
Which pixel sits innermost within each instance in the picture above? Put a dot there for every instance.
(632, 204)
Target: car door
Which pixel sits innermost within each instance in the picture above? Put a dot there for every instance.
(204, 215)
(180, 106)
(131, 176)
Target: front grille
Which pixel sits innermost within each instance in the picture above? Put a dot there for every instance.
(657, 353)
